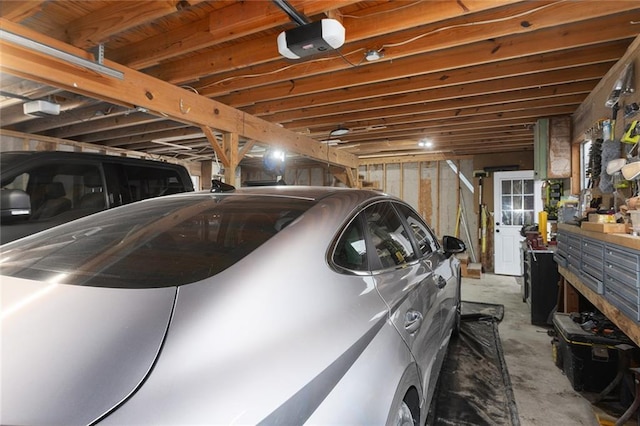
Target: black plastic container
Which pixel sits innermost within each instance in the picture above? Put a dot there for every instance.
(589, 360)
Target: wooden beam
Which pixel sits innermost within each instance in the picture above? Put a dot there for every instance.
(82, 115)
(411, 119)
(263, 50)
(219, 27)
(230, 144)
(212, 86)
(546, 84)
(20, 10)
(352, 177)
(220, 152)
(141, 133)
(115, 122)
(163, 99)
(245, 149)
(81, 146)
(97, 27)
(489, 112)
(544, 41)
(376, 160)
(626, 324)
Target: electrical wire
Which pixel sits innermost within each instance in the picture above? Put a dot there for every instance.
(471, 24)
(263, 74)
(383, 12)
(401, 43)
(344, 58)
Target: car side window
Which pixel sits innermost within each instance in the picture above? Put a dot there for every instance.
(427, 242)
(389, 236)
(59, 187)
(351, 249)
(149, 182)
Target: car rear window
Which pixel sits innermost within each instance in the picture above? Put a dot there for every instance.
(154, 243)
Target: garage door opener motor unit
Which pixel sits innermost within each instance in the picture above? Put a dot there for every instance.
(309, 39)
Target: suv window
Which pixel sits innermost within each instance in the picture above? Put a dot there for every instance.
(46, 189)
(56, 188)
(149, 182)
(389, 236)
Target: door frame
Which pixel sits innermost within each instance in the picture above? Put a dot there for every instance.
(508, 261)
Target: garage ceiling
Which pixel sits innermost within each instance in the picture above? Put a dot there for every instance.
(471, 77)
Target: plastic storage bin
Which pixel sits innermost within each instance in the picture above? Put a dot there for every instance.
(589, 361)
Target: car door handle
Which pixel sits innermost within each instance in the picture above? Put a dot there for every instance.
(440, 281)
(412, 321)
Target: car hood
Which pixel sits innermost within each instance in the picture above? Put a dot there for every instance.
(70, 353)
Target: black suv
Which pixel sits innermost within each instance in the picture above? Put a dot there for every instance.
(44, 189)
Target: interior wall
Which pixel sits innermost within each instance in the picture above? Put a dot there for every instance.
(593, 109)
(520, 160)
(434, 190)
(586, 121)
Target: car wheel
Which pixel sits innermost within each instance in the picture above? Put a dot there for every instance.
(404, 417)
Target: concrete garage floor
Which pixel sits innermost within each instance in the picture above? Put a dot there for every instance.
(543, 394)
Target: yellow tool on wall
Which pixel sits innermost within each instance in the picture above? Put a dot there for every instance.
(631, 133)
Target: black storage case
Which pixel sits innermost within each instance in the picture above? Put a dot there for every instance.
(589, 361)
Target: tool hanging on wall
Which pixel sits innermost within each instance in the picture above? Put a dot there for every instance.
(631, 133)
(623, 86)
(631, 110)
(614, 115)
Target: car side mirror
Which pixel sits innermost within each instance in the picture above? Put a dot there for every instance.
(453, 245)
(15, 204)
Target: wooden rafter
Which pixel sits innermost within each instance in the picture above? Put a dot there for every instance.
(140, 90)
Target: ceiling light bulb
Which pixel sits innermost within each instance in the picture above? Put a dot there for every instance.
(373, 55)
(339, 131)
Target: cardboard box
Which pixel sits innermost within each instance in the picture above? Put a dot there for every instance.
(602, 218)
(606, 228)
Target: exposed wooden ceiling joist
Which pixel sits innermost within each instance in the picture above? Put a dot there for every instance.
(138, 90)
(470, 71)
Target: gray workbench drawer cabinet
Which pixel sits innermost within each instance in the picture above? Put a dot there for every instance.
(622, 279)
(592, 260)
(608, 269)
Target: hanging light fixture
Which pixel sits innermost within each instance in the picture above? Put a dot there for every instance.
(339, 131)
(373, 55)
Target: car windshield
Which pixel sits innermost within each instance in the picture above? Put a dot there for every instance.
(155, 243)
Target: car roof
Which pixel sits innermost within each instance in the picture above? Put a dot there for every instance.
(9, 158)
(309, 192)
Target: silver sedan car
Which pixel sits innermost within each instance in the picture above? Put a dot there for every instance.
(282, 305)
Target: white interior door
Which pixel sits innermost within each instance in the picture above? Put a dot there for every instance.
(517, 199)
